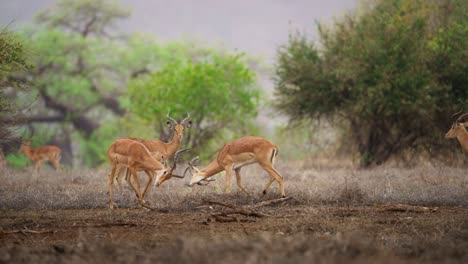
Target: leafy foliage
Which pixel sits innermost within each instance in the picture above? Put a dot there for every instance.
(13, 59)
(394, 73)
(217, 89)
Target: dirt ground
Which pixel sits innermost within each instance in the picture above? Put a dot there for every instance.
(296, 233)
(335, 216)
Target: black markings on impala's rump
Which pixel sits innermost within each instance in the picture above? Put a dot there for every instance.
(273, 154)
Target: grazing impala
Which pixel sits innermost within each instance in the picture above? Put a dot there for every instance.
(38, 155)
(237, 154)
(160, 150)
(136, 157)
(459, 131)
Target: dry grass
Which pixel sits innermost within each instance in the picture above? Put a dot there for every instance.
(78, 189)
(334, 218)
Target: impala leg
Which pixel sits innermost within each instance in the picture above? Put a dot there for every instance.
(56, 164)
(119, 177)
(276, 176)
(37, 168)
(150, 180)
(110, 183)
(270, 181)
(134, 175)
(239, 182)
(228, 170)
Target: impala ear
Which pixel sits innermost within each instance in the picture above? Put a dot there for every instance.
(169, 124)
(189, 124)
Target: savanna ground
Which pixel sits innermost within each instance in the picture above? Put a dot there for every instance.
(336, 215)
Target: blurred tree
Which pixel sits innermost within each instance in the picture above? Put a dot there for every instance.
(12, 61)
(75, 74)
(218, 90)
(395, 73)
(81, 73)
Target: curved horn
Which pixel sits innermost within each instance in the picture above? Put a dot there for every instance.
(193, 161)
(187, 169)
(170, 118)
(174, 165)
(457, 113)
(461, 117)
(185, 119)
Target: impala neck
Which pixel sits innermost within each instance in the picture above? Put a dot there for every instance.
(463, 139)
(173, 145)
(212, 169)
(27, 150)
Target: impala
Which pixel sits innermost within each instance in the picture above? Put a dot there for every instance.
(459, 131)
(160, 150)
(136, 157)
(40, 154)
(235, 155)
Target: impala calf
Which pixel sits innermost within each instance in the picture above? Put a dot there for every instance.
(459, 131)
(237, 154)
(40, 154)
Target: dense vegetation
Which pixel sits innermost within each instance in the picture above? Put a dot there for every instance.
(13, 59)
(393, 73)
(82, 68)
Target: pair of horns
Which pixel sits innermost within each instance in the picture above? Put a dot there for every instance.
(460, 118)
(183, 122)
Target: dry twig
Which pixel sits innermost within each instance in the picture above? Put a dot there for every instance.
(26, 231)
(237, 209)
(272, 202)
(407, 208)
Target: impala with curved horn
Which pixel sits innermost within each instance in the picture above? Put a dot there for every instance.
(236, 154)
(136, 157)
(160, 150)
(459, 131)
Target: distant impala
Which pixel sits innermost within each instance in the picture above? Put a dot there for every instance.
(40, 154)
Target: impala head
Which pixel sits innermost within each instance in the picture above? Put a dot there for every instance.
(179, 127)
(197, 177)
(458, 127)
(24, 145)
(170, 173)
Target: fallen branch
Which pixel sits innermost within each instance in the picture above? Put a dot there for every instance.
(237, 209)
(25, 231)
(222, 218)
(154, 209)
(271, 202)
(407, 208)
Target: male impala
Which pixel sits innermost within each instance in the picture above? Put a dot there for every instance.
(237, 154)
(136, 157)
(160, 150)
(38, 155)
(459, 131)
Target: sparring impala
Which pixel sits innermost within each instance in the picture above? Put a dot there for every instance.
(237, 154)
(135, 157)
(459, 131)
(160, 150)
(38, 155)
